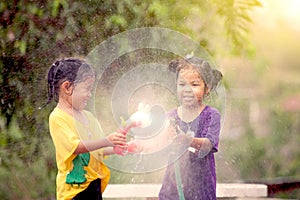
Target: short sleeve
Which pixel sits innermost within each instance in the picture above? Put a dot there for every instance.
(213, 129)
(64, 137)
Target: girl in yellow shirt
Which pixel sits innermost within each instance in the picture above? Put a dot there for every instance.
(75, 132)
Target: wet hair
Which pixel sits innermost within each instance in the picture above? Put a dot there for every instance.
(210, 76)
(73, 70)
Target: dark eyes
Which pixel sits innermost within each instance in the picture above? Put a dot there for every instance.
(193, 84)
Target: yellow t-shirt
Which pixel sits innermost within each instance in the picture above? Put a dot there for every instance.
(75, 172)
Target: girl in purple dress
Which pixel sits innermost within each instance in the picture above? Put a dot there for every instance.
(196, 127)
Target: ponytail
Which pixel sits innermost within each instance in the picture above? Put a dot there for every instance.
(69, 69)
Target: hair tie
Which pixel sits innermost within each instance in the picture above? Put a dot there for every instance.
(188, 56)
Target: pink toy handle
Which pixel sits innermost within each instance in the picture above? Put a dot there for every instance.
(131, 146)
(128, 127)
(120, 151)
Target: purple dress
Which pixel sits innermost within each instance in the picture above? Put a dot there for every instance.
(198, 175)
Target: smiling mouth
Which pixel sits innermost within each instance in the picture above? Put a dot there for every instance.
(85, 103)
(188, 98)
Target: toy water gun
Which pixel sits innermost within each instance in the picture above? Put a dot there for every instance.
(141, 119)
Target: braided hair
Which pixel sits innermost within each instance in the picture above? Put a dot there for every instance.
(73, 70)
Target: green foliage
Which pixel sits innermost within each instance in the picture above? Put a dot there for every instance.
(250, 156)
(26, 164)
(269, 158)
(285, 128)
(294, 194)
(237, 19)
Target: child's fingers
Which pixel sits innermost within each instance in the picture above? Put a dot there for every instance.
(117, 139)
(183, 138)
(120, 136)
(171, 131)
(121, 146)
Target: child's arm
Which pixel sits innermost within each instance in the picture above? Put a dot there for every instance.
(203, 145)
(210, 142)
(114, 139)
(108, 151)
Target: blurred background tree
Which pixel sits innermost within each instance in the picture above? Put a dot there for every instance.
(34, 33)
(260, 141)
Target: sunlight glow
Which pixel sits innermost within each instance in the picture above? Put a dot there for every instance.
(274, 13)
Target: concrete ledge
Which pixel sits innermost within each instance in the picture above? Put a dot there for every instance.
(241, 190)
(224, 190)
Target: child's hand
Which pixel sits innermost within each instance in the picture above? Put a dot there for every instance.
(139, 148)
(196, 143)
(117, 139)
(183, 139)
(171, 130)
(131, 147)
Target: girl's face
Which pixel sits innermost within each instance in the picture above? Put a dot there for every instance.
(190, 88)
(82, 92)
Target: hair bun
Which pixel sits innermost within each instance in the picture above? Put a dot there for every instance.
(217, 77)
(173, 65)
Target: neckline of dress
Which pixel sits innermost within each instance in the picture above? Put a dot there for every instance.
(189, 123)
